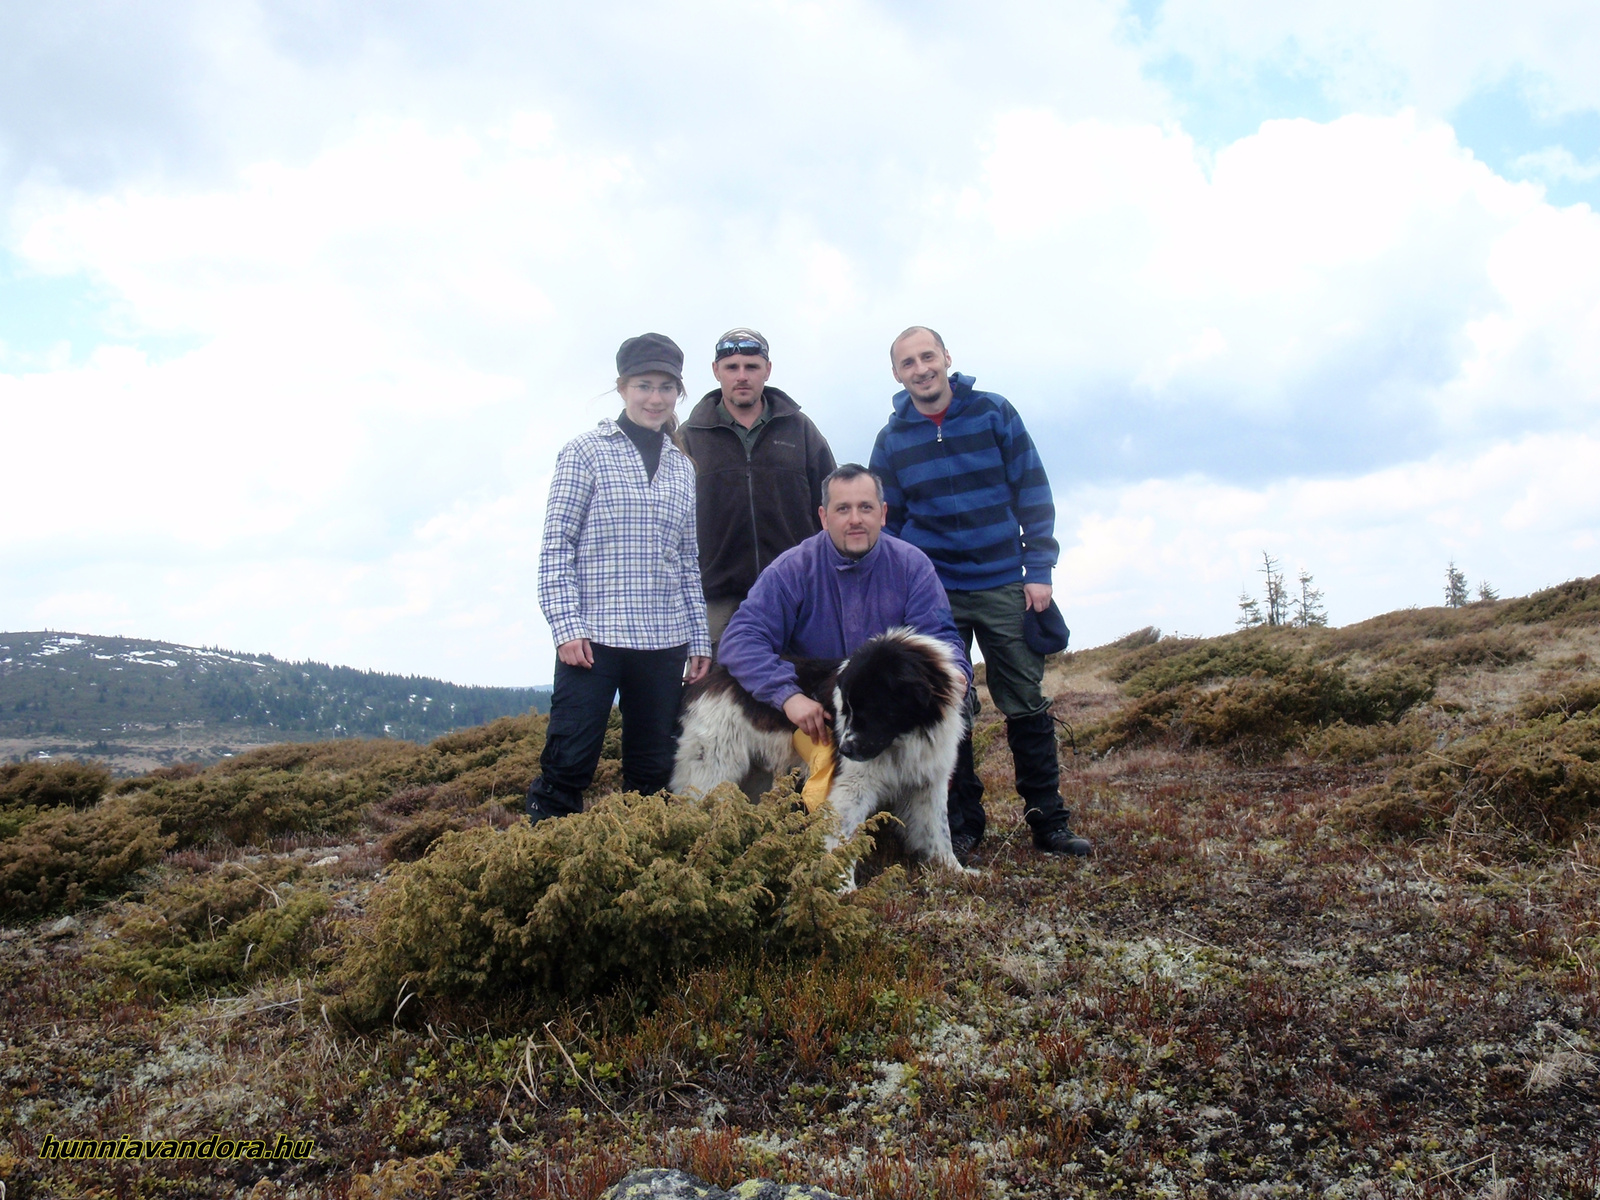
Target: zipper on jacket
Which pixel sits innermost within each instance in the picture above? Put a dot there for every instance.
(750, 490)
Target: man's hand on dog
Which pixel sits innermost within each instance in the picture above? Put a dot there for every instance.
(809, 716)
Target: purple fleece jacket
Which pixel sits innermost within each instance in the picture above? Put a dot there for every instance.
(813, 602)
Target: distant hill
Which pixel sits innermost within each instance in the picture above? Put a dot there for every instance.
(93, 689)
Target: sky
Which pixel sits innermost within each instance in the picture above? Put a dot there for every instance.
(299, 300)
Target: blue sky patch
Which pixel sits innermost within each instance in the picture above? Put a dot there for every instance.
(1219, 108)
(1506, 130)
(48, 322)
(45, 319)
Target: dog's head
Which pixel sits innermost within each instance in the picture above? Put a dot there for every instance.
(895, 684)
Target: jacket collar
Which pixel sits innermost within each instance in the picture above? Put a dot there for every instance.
(608, 427)
(960, 393)
(704, 414)
(840, 562)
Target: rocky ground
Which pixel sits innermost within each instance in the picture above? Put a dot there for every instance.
(139, 752)
(1244, 993)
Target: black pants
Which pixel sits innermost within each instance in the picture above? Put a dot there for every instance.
(650, 683)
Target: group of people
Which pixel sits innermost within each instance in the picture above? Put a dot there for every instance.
(734, 535)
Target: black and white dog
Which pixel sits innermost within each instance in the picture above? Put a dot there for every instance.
(899, 713)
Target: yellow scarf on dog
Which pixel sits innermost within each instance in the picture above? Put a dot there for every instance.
(818, 756)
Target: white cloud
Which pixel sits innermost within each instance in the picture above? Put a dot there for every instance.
(1176, 553)
(1349, 342)
(1362, 288)
(1555, 164)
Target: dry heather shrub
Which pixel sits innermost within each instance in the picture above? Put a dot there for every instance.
(1491, 648)
(65, 856)
(416, 836)
(47, 785)
(1138, 639)
(249, 806)
(1396, 633)
(1267, 710)
(1540, 779)
(1576, 602)
(231, 925)
(1572, 700)
(1176, 661)
(1346, 743)
(635, 890)
(490, 762)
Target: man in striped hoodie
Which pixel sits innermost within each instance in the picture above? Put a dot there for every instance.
(964, 484)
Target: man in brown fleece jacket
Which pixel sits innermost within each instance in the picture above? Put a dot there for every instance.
(759, 466)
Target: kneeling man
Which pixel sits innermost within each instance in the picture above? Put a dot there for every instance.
(828, 595)
(848, 593)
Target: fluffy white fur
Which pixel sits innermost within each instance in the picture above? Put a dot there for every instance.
(909, 779)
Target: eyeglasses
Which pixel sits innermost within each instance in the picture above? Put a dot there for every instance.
(740, 346)
(644, 387)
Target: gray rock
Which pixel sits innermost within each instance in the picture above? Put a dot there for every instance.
(65, 927)
(658, 1184)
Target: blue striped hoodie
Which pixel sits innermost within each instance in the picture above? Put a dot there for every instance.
(970, 493)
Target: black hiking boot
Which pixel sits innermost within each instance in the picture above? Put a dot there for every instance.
(540, 804)
(1061, 840)
(1033, 749)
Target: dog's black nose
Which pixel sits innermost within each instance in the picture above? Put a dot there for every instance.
(858, 751)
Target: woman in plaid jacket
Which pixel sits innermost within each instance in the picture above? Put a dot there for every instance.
(619, 583)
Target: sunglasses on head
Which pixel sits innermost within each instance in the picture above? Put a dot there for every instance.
(740, 346)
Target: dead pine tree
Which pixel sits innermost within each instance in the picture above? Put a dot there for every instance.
(1455, 586)
(1308, 610)
(1277, 594)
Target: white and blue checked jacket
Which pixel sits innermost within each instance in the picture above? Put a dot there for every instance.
(619, 564)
